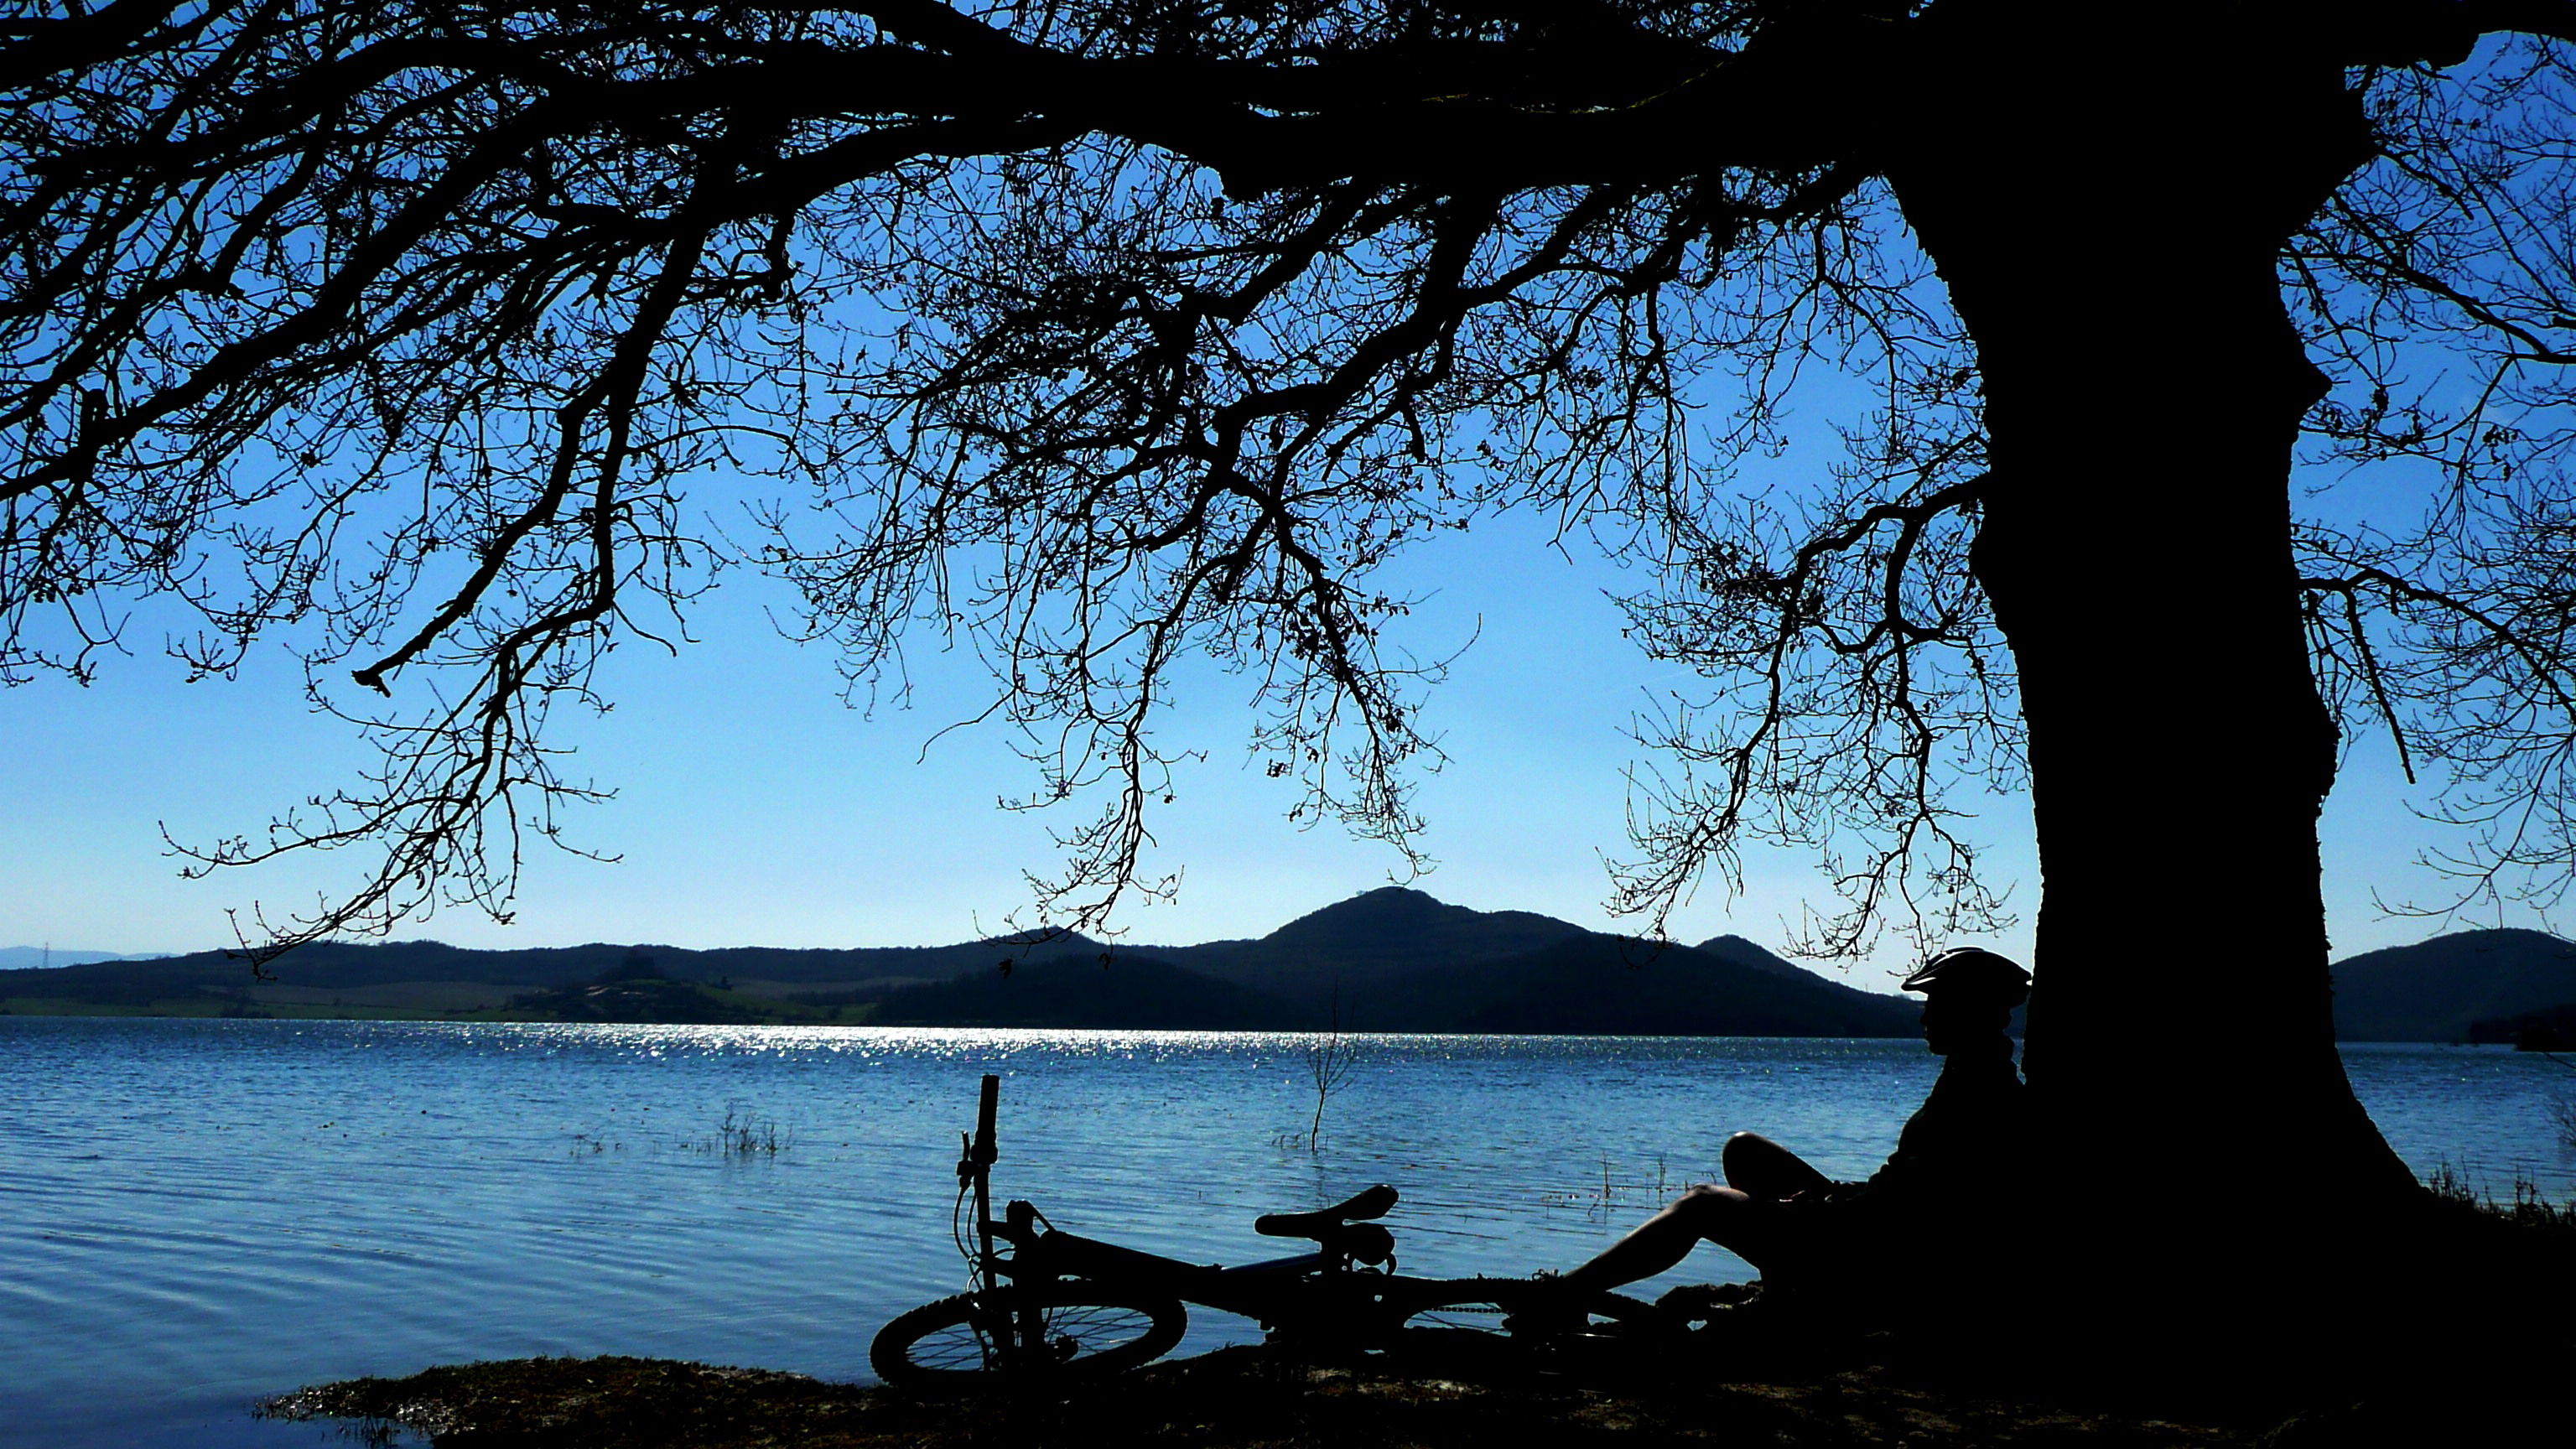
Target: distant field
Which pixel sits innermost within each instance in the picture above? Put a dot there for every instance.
(429, 996)
(436, 1001)
(210, 1006)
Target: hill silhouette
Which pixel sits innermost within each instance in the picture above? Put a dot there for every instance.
(2437, 990)
(1399, 960)
(1604, 985)
(1396, 960)
(1744, 953)
(433, 975)
(1369, 939)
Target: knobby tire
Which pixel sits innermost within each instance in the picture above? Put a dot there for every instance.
(1090, 1330)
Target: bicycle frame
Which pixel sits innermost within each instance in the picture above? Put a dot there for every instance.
(1281, 1293)
(1328, 1291)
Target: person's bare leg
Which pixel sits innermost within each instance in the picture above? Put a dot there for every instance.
(1722, 1215)
(1759, 1167)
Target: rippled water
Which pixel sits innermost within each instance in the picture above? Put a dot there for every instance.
(196, 1213)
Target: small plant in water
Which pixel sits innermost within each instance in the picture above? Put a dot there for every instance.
(744, 1133)
(2562, 1112)
(1327, 1063)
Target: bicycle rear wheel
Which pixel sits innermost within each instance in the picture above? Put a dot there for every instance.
(1085, 1329)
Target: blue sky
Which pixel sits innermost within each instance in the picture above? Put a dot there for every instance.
(755, 808)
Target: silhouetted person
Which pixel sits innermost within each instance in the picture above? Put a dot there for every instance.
(1938, 1211)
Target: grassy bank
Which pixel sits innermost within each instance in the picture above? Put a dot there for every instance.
(1235, 1397)
(1261, 1398)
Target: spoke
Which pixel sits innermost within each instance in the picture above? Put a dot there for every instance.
(954, 1349)
(1096, 1328)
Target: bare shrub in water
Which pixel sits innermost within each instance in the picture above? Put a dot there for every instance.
(2562, 1112)
(1328, 1062)
(744, 1133)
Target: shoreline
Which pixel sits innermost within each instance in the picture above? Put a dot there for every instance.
(2172, 1379)
(1239, 1398)
(1260, 1397)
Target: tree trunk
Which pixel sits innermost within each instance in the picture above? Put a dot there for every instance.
(2144, 387)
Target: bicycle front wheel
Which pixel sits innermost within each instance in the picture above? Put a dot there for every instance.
(1083, 1328)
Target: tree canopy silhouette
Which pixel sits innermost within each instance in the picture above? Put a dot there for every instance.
(1107, 331)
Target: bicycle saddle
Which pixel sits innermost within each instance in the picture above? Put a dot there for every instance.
(1323, 1223)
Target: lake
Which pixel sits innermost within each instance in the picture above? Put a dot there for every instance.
(196, 1213)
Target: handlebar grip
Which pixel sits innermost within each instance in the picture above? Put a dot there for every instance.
(986, 1108)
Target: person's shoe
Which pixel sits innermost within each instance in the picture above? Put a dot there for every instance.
(1700, 1302)
(1549, 1312)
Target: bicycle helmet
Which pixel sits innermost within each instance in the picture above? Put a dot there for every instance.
(1975, 968)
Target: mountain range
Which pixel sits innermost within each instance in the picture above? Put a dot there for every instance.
(18, 958)
(1392, 959)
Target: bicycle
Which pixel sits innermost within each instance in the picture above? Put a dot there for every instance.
(1056, 1303)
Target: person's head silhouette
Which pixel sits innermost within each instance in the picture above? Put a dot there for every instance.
(1968, 997)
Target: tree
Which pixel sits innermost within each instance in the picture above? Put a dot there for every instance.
(1112, 329)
